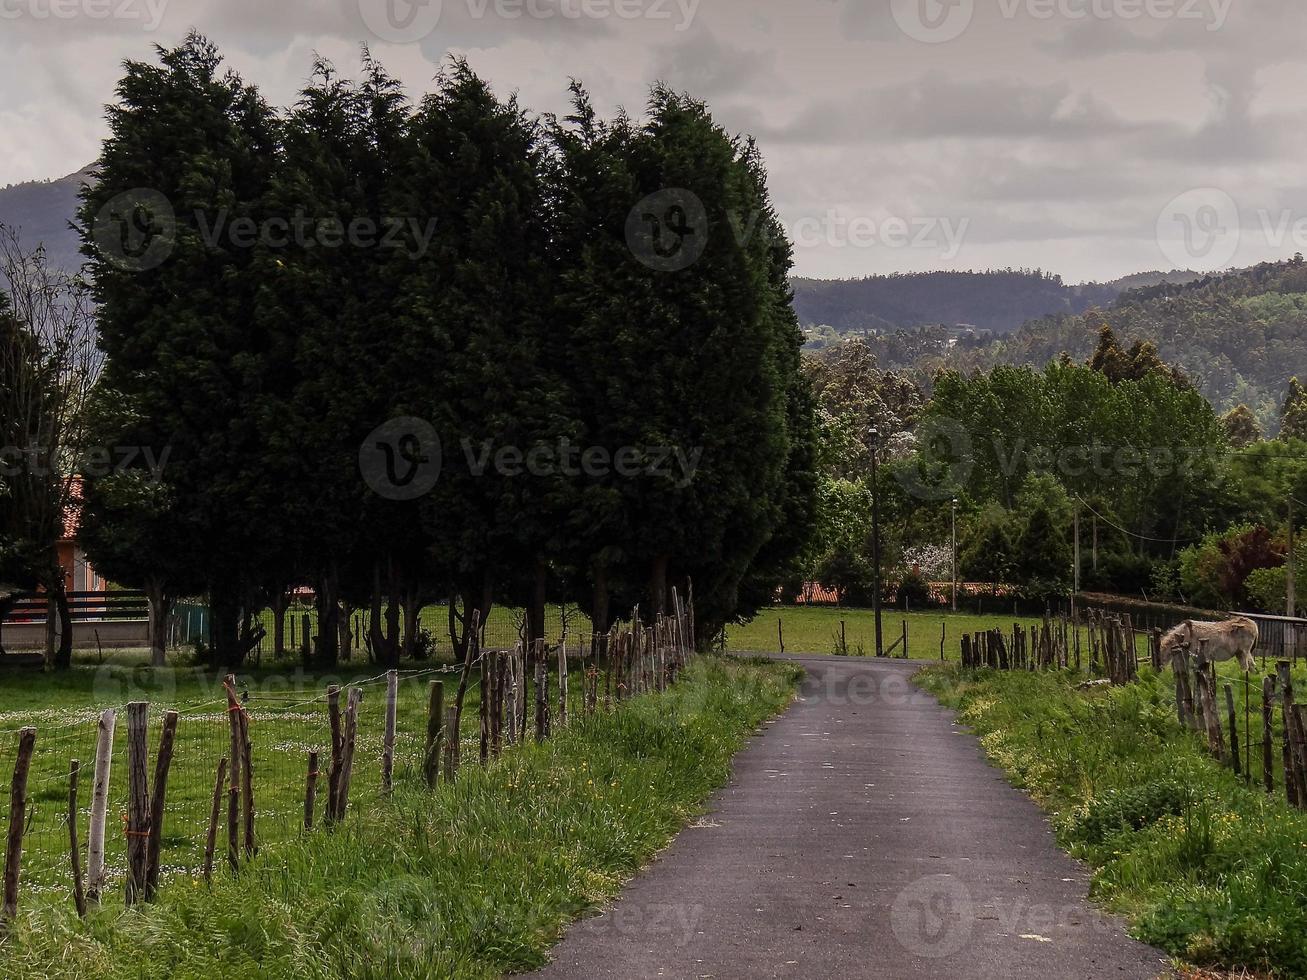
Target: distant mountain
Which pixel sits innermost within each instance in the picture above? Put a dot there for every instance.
(997, 301)
(41, 211)
(1239, 336)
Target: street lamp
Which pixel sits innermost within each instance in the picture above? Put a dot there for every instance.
(875, 541)
(954, 565)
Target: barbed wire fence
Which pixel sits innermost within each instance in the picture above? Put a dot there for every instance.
(305, 739)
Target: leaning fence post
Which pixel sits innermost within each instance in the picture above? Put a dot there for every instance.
(74, 848)
(138, 800)
(351, 741)
(215, 814)
(159, 793)
(431, 751)
(388, 745)
(311, 789)
(17, 824)
(99, 804)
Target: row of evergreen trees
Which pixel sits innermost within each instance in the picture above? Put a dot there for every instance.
(500, 300)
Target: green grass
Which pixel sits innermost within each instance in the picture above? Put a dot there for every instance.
(472, 880)
(816, 629)
(1207, 867)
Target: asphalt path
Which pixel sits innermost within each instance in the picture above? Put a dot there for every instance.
(863, 834)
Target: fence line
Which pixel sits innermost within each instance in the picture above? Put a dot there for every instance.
(340, 751)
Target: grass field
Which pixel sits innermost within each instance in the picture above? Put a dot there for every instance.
(473, 880)
(816, 629)
(1206, 867)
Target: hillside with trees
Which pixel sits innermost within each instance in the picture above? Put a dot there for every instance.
(997, 300)
(1238, 337)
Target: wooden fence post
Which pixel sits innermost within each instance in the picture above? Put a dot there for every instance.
(310, 789)
(562, 684)
(247, 784)
(435, 717)
(1293, 761)
(95, 872)
(1268, 733)
(1234, 731)
(215, 814)
(483, 712)
(337, 753)
(138, 800)
(233, 773)
(74, 848)
(388, 744)
(453, 746)
(542, 704)
(351, 741)
(158, 796)
(17, 824)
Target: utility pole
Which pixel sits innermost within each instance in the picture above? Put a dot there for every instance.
(875, 542)
(954, 566)
(1076, 549)
(1291, 586)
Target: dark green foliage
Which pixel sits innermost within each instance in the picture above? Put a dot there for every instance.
(1128, 808)
(185, 354)
(500, 301)
(1293, 418)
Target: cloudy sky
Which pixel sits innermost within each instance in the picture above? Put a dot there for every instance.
(1093, 138)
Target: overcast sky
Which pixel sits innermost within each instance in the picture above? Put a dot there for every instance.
(1093, 138)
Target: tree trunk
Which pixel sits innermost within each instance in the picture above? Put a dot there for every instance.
(61, 618)
(658, 586)
(225, 626)
(328, 609)
(160, 606)
(279, 604)
(536, 614)
(599, 612)
(344, 631)
(412, 620)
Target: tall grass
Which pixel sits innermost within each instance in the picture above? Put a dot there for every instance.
(472, 880)
(1206, 867)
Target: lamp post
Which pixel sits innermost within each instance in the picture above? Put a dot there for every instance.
(953, 567)
(875, 542)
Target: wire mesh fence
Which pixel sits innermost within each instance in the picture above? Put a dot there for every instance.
(293, 727)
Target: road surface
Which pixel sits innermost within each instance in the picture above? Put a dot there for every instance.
(863, 835)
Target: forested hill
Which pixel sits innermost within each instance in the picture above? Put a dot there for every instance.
(1239, 336)
(998, 300)
(41, 212)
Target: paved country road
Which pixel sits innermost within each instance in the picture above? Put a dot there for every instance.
(863, 835)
